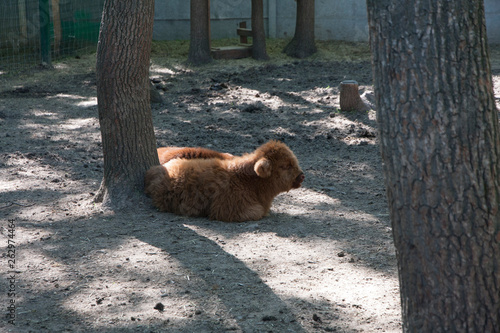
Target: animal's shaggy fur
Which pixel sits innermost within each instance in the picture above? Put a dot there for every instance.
(166, 154)
(235, 189)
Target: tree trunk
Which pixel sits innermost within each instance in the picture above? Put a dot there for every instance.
(440, 147)
(258, 34)
(349, 97)
(123, 96)
(302, 44)
(199, 43)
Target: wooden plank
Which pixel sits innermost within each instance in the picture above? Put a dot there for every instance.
(243, 39)
(231, 52)
(244, 32)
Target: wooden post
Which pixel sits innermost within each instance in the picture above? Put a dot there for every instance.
(243, 38)
(56, 21)
(349, 97)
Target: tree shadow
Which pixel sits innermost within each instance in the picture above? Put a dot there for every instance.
(234, 283)
(73, 265)
(216, 275)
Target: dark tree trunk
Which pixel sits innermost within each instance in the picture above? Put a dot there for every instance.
(258, 34)
(199, 43)
(123, 91)
(440, 147)
(302, 44)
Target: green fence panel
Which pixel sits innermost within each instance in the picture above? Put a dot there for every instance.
(33, 32)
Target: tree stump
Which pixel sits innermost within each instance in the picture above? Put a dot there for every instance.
(155, 96)
(349, 97)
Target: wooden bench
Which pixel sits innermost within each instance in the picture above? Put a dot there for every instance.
(244, 33)
(243, 50)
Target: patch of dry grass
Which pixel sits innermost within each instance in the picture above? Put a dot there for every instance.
(175, 52)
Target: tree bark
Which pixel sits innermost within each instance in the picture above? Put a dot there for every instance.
(302, 44)
(123, 95)
(440, 147)
(258, 33)
(199, 43)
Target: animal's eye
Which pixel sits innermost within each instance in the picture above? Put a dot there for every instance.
(287, 167)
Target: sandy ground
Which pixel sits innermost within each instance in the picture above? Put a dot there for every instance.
(322, 261)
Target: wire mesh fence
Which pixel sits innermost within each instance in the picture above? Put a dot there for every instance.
(35, 32)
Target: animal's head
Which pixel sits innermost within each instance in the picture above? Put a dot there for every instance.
(278, 163)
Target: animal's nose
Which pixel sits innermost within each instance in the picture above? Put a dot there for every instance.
(301, 177)
(298, 181)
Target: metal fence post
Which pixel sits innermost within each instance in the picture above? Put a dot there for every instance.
(44, 11)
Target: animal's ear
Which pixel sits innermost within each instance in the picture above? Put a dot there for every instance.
(263, 168)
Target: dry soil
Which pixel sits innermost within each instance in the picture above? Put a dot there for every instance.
(322, 261)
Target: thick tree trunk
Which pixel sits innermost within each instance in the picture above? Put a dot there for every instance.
(302, 44)
(123, 95)
(440, 147)
(199, 43)
(258, 33)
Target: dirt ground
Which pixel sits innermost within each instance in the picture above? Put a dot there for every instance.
(322, 261)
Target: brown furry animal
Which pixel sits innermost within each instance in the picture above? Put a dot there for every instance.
(233, 190)
(166, 154)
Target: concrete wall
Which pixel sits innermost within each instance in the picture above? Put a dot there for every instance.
(335, 19)
(339, 19)
(172, 18)
(492, 13)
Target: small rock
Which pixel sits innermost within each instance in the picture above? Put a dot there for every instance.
(219, 86)
(159, 306)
